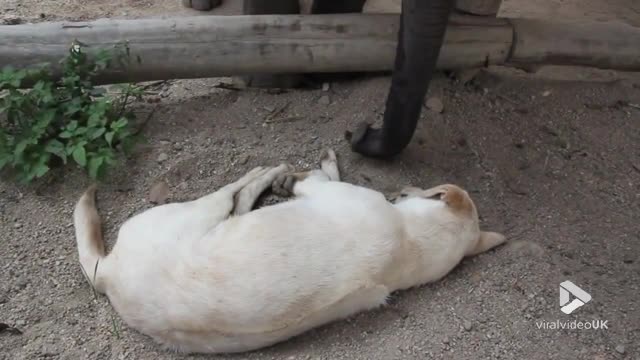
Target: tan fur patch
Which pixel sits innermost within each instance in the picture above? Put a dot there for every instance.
(454, 196)
(93, 219)
(301, 175)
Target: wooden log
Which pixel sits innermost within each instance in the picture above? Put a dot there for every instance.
(474, 7)
(479, 7)
(210, 46)
(605, 45)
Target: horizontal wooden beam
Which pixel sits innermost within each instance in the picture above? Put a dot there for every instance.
(606, 45)
(479, 7)
(211, 46)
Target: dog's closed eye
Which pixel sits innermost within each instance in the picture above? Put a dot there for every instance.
(436, 196)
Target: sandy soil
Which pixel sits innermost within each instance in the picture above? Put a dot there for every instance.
(553, 164)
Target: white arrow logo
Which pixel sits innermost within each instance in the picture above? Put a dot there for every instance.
(581, 297)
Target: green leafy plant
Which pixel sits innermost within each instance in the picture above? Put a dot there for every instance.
(55, 122)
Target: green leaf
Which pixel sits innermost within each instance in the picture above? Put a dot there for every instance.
(94, 119)
(94, 166)
(109, 137)
(55, 147)
(80, 131)
(45, 118)
(80, 156)
(38, 86)
(65, 135)
(73, 124)
(96, 133)
(40, 170)
(70, 149)
(74, 106)
(122, 122)
(21, 147)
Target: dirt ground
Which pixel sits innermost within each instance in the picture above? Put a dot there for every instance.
(552, 160)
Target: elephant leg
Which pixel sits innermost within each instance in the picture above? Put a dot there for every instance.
(266, 7)
(258, 7)
(202, 5)
(337, 6)
(422, 27)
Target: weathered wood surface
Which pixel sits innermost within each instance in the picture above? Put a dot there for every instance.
(210, 46)
(475, 7)
(605, 45)
(479, 7)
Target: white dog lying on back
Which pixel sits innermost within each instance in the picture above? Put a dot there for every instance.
(198, 279)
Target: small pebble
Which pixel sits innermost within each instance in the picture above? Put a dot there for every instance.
(325, 87)
(324, 100)
(163, 157)
(21, 283)
(435, 104)
(17, 225)
(159, 193)
(23, 323)
(243, 159)
(620, 349)
(467, 325)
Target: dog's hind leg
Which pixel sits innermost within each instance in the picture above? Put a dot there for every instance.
(248, 196)
(220, 204)
(284, 184)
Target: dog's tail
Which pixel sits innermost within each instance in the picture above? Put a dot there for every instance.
(89, 237)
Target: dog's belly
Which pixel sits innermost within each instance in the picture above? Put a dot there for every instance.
(215, 341)
(260, 278)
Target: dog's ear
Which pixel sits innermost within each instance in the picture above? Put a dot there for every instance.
(486, 241)
(435, 193)
(454, 196)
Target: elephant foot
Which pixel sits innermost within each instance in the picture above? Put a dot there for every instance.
(368, 141)
(201, 5)
(371, 142)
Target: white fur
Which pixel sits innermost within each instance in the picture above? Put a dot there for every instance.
(198, 280)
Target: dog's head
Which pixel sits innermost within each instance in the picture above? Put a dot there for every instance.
(459, 204)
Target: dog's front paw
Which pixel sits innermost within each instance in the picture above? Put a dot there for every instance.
(283, 184)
